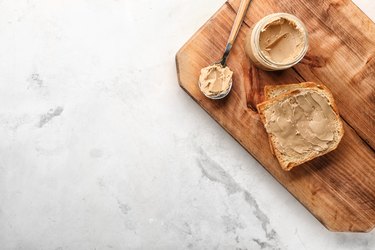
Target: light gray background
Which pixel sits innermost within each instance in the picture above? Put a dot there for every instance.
(101, 149)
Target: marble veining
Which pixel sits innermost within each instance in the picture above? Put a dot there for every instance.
(45, 118)
(101, 149)
(215, 173)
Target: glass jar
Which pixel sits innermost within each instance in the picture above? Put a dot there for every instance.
(259, 57)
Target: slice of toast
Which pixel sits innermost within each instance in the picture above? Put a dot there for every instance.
(271, 91)
(278, 95)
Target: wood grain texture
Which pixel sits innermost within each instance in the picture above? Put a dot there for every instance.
(341, 54)
(338, 188)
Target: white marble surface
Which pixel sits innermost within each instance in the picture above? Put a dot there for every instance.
(101, 149)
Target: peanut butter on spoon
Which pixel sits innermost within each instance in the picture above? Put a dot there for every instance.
(215, 80)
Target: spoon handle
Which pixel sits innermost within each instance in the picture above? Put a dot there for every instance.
(244, 5)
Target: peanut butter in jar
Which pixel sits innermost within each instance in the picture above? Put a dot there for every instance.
(277, 42)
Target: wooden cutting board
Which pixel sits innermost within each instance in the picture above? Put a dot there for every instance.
(338, 188)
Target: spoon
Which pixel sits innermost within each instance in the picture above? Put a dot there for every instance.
(221, 66)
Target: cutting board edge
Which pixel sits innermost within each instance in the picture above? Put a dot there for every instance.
(321, 220)
(368, 228)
